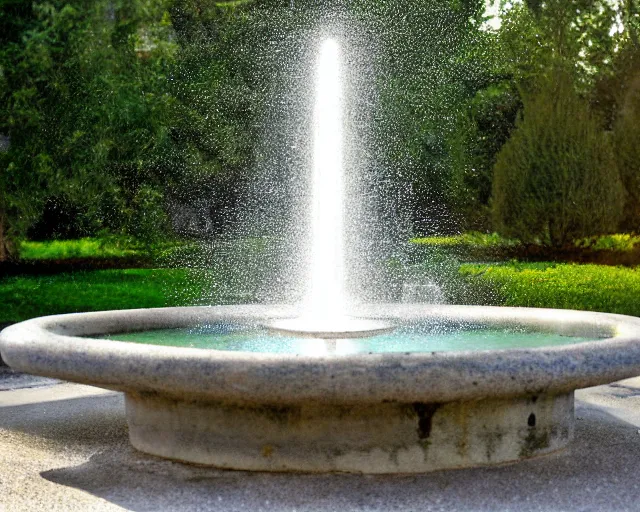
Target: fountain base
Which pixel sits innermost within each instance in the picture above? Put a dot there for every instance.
(337, 327)
(375, 438)
(397, 412)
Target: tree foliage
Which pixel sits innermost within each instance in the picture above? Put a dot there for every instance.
(117, 111)
(236, 59)
(85, 109)
(580, 36)
(435, 60)
(537, 41)
(556, 178)
(626, 134)
(215, 104)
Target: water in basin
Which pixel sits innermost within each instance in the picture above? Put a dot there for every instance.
(413, 338)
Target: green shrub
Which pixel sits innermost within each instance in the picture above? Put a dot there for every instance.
(474, 147)
(471, 239)
(556, 178)
(621, 242)
(626, 141)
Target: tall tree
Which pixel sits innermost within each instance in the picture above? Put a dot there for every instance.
(84, 108)
(556, 178)
(536, 41)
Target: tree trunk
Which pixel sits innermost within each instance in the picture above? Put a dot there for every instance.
(3, 250)
(7, 248)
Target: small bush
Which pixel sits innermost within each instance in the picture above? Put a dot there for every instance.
(556, 178)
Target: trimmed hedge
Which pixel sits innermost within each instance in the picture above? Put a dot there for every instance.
(80, 248)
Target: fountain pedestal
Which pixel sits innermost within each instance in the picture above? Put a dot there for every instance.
(340, 327)
(375, 438)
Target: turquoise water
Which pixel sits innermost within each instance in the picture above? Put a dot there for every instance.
(415, 338)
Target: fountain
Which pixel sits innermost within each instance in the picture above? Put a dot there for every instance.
(388, 388)
(324, 308)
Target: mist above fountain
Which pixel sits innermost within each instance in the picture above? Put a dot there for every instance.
(325, 305)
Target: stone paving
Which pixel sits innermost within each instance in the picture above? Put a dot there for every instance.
(64, 447)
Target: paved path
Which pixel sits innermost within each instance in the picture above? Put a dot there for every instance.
(64, 447)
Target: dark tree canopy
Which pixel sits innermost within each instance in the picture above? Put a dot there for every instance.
(115, 114)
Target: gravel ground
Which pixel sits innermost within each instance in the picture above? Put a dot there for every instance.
(64, 447)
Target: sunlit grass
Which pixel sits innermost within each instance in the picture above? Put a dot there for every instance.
(81, 248)
(24, 297)
(560, 285)
(549, 285)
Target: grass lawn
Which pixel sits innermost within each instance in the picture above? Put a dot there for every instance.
(234, 278)
(559, 285)
(24, 297)
(552, 285)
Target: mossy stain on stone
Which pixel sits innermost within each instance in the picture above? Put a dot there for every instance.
(267, 450)
(425, 413)
(534, 442)
(492, 440)
(284, 415)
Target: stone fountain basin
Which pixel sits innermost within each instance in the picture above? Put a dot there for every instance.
(369, 413)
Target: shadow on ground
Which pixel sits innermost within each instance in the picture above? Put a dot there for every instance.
(77, 424)
(11, 379)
